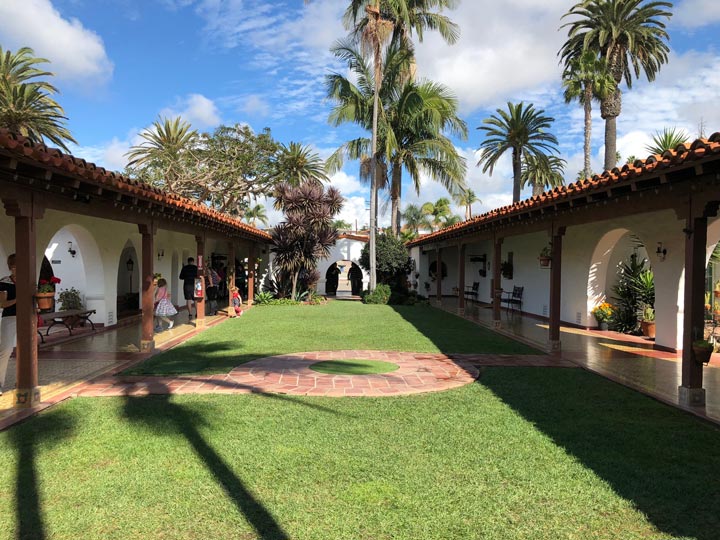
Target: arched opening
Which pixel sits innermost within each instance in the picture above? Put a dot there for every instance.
(128, 282)
(620, 273)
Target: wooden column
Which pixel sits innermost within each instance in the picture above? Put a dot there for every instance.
(556, 289)
(691, 392)
(438, 276)
(461, 279)
(147, 296)
(497, 290)
(251, 275)
(27, 393)
(200, 303)
(230, 277)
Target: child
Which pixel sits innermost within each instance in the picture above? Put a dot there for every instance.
(236, 300)
(164, 308)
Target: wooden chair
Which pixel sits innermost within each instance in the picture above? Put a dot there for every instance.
(513, 300)
(471, 292)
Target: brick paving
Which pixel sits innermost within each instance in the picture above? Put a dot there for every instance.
(291, 374)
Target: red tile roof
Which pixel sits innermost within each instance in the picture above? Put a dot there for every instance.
(53, 159)
(683, 155)
(350, 236)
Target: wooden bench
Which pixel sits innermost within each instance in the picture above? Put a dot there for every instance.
(69, 318)
(513, 300)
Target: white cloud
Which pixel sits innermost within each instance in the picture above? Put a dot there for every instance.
(77, 54)
(255, 106)
(347, 184)
(505, 49)
(111, 154)
(697, 13)
(200, 111)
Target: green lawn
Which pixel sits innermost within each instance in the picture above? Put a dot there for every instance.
(526, 453)
(269, 330)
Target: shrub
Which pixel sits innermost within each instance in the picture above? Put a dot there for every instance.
(393, 262)
(381, 295)
(70, 299)
(263, 297)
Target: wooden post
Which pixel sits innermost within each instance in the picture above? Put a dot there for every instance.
(691, 392)
(147, 300)
(27, 393)
(438, 276)
(230, 276)
(200, 302)
(555, 289)
(461, 279)
(497, 289)
(251, 275)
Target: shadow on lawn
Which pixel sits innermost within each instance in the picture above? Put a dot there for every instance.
(44, 431)
(662, 460)
(162, 415)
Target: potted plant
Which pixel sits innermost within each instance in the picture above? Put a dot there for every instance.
(545, 256)
(506, 269)
(716, 311)
(45, 295)
(647, 323)
(716, 292)
(70, 299)
(702, 351)
(602, 314)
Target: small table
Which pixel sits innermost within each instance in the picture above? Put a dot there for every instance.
(68, 318)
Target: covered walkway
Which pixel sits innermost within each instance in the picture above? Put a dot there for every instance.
(628, 360)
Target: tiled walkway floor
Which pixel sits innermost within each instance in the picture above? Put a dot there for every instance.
(629, 360)
(291, 374)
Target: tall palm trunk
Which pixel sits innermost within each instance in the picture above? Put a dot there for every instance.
(395, 194)
(468, 211)
(517, 173)
(609, 110)
(373, 11)
(587, 106)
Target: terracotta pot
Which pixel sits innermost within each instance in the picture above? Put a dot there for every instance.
(648, 328)
(716, 292)
(702, 354)
(45, 300)
(544, 261)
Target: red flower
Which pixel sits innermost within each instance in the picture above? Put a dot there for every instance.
(43, 282)
(54, 280)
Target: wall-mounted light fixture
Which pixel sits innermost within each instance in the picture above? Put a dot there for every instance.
(71, 251)
(160, 253)
(661, 251)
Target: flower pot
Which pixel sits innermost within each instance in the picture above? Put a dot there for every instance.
(604, 326)
(544, 262)
(716, 292)
(702, 354)
(45, 300)
(648, 328)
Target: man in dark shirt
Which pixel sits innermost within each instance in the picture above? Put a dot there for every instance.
(7, 323)
(188, 274)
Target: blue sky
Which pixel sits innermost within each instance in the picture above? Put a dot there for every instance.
(121, 63)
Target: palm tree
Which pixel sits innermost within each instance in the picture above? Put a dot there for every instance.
(667, 139)
(255, 214)
(415, 219)
(438, 212)
(520, 129)
(413, 117)
(466, 197)
(631, 36)
(167, 144)
(27, 110)
(26, 105)
(542, 172)
(365, 17)
(297, 164)
(586, 77)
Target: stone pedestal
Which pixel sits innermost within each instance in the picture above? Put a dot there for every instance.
(27, 397)
(691, 397)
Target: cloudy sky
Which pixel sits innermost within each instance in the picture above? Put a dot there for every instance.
(122, 63)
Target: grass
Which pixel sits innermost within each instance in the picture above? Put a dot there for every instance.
(526, 453)
(353, 367)
(270, 330)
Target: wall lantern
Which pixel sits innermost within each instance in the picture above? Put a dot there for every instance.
(130, 264)
(71, 251)
(160, 253)
(661, 251)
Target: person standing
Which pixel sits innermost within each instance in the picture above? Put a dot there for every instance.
(356, 279)
(8, 326)
(188, 274)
